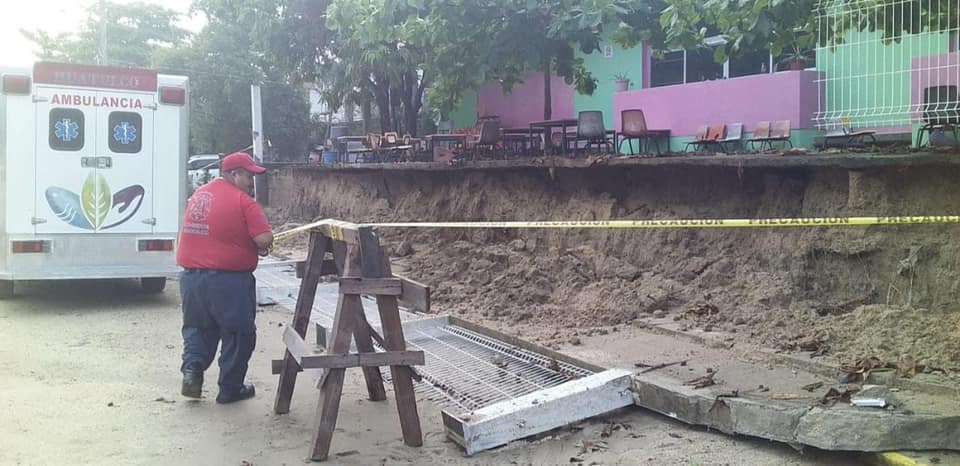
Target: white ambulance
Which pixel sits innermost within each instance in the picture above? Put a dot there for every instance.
(92, 170)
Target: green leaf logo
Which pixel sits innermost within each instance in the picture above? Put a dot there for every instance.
(96, 199)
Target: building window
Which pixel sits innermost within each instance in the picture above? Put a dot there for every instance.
(667, 69)
(702, 67)
(754, 63)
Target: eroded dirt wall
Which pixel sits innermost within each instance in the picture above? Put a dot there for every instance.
(780, 287)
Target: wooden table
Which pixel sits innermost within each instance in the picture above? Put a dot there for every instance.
(548, 125)
(457, 139)
(343, 146)
(529, 136)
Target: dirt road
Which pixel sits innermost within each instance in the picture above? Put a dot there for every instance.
(89, 375)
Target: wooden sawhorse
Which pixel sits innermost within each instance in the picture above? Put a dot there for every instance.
(364, 269)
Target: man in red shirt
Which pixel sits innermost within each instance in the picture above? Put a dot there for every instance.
(223, 231)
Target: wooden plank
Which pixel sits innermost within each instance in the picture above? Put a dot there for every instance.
(321, 334)
(327, 411)
(345, 361)
(339, 256)
(362, 331)
(329, 267)
(295, 344)
(276, 367)
(414, 295)
(301, 319)
(363, 336)
(328, 406)
(375, 264)
(540, 411)
(370, 286)
(341, 231)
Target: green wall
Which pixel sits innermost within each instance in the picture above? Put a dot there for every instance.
(465, 114)
(870, 69)
(623, 61)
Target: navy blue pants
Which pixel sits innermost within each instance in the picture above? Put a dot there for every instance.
(219, 306)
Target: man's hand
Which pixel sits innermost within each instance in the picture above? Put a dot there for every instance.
(264, 242)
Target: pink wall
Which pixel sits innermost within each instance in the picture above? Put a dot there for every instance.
(930, 71)
(787, 95)
(525, 103)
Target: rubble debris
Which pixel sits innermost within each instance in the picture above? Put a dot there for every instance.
(833, 396)
(404, 249)
(810, 387)
(873, 396)
(701, 310)
(702, 382)
(661, 366)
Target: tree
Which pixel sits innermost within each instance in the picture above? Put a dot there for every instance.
(226, 57)
(374, 55)
(129, 33)
(504, 41)
(778, 25)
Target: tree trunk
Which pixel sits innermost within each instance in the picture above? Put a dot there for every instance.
(412, 95)
(547, 104)
(366, 112)
(381, 92)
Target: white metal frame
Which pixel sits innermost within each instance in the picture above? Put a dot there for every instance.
(873, 95)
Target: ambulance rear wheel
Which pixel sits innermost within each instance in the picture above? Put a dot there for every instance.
(153, 284)
(6, 289)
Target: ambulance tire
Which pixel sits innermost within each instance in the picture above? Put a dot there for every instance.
(153, 284)
(6, 289)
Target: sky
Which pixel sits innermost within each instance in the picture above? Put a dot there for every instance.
(58, 16)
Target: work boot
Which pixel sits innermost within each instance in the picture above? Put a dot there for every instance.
(192, 384)
(245, 392)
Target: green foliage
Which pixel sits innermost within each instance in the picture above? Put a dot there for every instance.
(786, 26)
(244, 42)
(133, 33)
(503, 41)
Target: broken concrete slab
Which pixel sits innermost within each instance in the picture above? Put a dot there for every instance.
(798, 423)
(864, 429)
(666, 395)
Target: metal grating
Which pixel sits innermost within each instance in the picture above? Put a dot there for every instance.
(464, 370)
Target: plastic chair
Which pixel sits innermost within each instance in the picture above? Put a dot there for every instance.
(489, 137)
(590, 129)
(699, 138)
(761, 134)
(633, 125)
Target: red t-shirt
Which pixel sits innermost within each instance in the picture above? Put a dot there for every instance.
(219, 227)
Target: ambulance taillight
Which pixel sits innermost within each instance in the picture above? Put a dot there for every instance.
(29, 247)
(16, 84)
(173, 95)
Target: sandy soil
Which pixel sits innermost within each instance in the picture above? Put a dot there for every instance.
(89, 375)
(885, 292)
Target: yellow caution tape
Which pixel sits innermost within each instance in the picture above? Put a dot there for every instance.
(334, 227)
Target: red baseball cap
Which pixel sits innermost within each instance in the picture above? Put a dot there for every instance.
(240, 160)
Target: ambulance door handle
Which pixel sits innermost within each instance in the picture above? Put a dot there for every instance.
(37, 220)
(38, 98)
(151, 106)
(150, 221)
